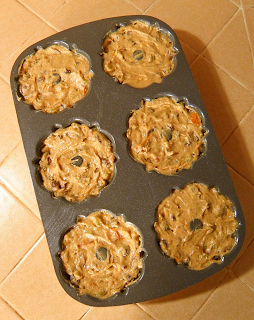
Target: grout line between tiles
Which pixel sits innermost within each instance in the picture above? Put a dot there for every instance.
(154, 318)
(38, 15)
(132, 4)
(201, 54)
(145, 311)
(85, 314)
(242, 85)
(187, 45)
(222, 29)
(251, 183)
(14, 148)
(203, 304)
(29, 9)
(150, 6)
(22, 4)
(230, 76)
(198, 56)
(248, 34)
(3, 78)
(216, 35)
(234, 3)
(6, 157)
(237, 126)
(41, 17)
(9, 274)
(13, 194)
(13, 309)
(225, 71)
(52, 26)
(22, 45)
(239, 257)
(214, 38)
(21, 260)
(241, 279)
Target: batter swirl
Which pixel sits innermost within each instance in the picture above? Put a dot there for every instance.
(165, 135)
(76, 162)
(196, 226)
(54, 78)
(102, 254)
(138, 54)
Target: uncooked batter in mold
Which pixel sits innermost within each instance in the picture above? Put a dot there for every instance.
(165, 135)
(138, 54)
(196, 226)
(54, 78)
(102, 254)
(76, 162)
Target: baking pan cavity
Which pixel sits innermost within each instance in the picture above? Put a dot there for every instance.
(77, 161)
(54, 77)
(139, 53)
(108, 256)
(166, 134)
(196, 226)
(133, 191)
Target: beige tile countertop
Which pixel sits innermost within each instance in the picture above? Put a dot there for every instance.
(217, 37)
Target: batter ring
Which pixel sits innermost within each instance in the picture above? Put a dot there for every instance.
(196, 226)
(76, 162)
(102, 254)
(138, 54)
(165, 135)
(54, 78)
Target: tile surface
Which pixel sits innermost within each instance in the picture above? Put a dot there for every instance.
(7, 313)
(9, 133)
(16, 236)
(142, 5)
(234, 39)
(226, 100)
(237, 2)
(189, 53)
(13, 173)
(238, 150)
(195, 23)
(245, 192)
(39, 296)
(75, 12)
(117, 313)
(46, 9)
(232, 300)
(217, 37)
(183, 304)
(248, 13)
(14, 30)
(43, 31)
(244, 268)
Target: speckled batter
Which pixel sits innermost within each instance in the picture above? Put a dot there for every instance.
(165, 135)
(76, 162)
(138, 54)
(102, 254)
(196, 226)
(54, 78)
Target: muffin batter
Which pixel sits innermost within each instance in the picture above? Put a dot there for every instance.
(165, 135)
(102, 254)
(196, 226)
(138, 54)
(76, 162)
(54, 78)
